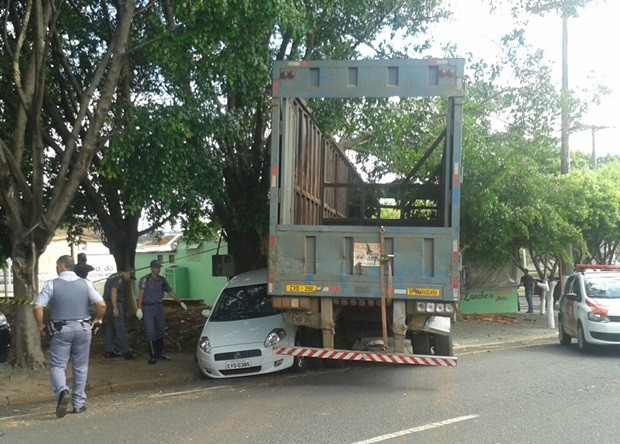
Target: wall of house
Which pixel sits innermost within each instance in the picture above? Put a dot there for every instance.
(97, 255)
(190, 265)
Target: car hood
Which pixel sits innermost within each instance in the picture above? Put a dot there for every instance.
(613, 305)
(246, 331)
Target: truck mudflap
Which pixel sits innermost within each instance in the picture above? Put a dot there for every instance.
(365, 356)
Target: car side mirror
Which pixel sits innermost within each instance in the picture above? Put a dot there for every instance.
(206, 313)
(571, 297)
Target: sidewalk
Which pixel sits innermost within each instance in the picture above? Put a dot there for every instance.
(470, 333)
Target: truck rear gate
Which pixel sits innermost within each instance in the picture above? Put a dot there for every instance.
(330, 247)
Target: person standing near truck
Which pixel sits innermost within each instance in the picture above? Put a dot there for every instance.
(528, 284)
(113, 292)
(151, 309)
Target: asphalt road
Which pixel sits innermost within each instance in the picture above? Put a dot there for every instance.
(543, 393)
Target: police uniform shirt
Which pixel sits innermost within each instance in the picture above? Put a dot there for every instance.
(154, 289)
(46, 294)
(114, 282)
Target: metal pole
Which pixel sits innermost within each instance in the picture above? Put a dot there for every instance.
(593, 147)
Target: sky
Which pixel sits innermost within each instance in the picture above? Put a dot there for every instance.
(591, 53)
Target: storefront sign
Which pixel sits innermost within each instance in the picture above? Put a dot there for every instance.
(495, 300)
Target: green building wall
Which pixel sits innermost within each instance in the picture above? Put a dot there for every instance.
(191, 267)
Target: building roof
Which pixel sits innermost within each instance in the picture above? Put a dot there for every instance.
(166, 243)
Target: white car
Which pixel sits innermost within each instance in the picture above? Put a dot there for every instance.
(243, 329)
(589, 308)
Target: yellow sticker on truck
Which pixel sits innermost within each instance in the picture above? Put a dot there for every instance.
(423, 292)
(295, 288)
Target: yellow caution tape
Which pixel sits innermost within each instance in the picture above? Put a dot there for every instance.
(16, 302)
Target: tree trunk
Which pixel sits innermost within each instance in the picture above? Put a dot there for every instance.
(248, 249)
(122, 244)
(28, 352)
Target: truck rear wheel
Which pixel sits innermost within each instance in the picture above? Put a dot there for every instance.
(300, 363)
(443, 345)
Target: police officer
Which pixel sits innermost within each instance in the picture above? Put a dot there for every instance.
(151, 308)
(115, 326)
(69, 298)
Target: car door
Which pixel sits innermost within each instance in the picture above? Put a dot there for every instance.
(567, 308)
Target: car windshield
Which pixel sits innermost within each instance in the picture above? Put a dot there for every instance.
(603, 287)
(239, 303)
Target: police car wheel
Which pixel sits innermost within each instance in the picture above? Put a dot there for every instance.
(584, 346)
(564, 338)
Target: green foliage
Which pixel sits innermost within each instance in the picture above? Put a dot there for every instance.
(218, 63)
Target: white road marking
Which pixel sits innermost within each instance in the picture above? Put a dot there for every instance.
(421, 428)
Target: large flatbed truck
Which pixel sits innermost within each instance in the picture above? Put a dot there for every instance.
(361, 285)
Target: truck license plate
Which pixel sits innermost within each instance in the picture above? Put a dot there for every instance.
(234, 365)
(301, 288)
(304, 319)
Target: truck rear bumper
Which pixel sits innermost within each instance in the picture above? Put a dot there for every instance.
(364, 356)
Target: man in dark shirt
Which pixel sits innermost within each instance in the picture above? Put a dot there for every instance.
(528, 284)
(113, 295)
(82, 268)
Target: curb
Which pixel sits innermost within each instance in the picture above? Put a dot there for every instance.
(508, 343)
(12, 400)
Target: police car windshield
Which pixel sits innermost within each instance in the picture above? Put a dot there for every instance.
(240, 303)
(603, 287)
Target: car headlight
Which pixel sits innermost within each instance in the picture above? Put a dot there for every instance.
(597, 317)
(274, 336)
(3, 320)
(204, 344)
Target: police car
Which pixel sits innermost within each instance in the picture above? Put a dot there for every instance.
(589, 308)
(241, 332)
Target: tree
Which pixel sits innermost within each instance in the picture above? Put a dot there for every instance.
(154, 168)
(231, 49)
(50, 135)
(599, 215)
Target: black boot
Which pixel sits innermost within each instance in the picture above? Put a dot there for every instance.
(153, 352)
(160, 350)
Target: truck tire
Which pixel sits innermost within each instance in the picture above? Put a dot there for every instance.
(300, 363)
(421, 343)
(311, 337)
(443, 345)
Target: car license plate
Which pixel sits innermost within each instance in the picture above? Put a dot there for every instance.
(234, 365)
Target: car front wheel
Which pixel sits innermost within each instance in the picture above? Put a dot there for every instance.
(564, 338)
(584, 346)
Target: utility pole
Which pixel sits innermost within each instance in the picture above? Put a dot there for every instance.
(594, 129)
(567, 266)
(564, 147)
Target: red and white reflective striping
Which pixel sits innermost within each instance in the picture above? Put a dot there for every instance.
(388, 358)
